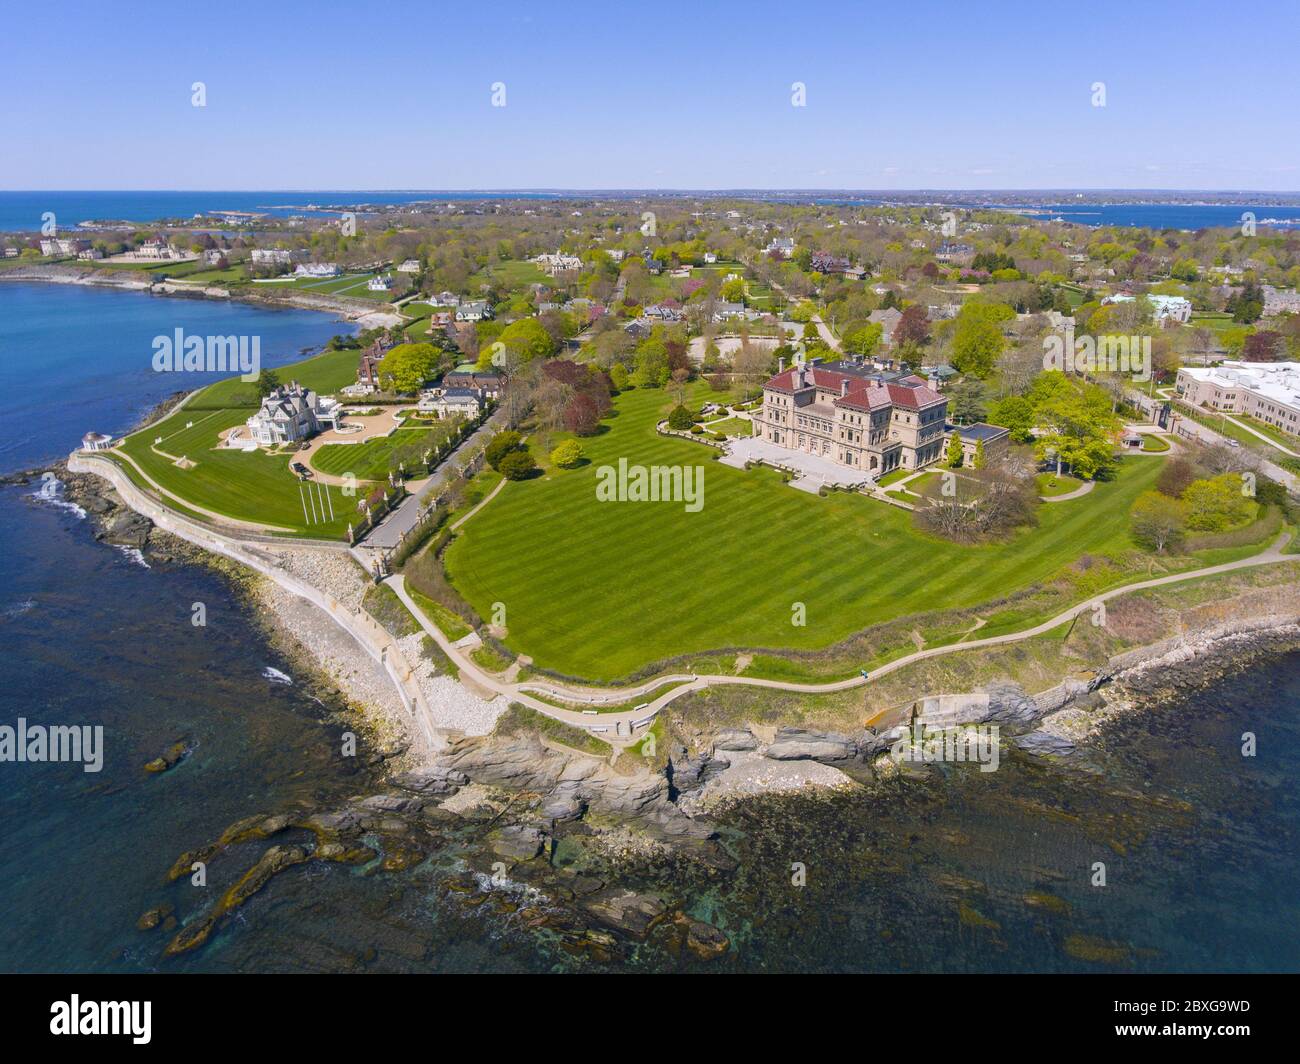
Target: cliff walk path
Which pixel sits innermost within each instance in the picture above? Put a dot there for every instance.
(622, 724)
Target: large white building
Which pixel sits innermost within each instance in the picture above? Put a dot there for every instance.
(1269, 391)
(292, 413)
(1163, 308)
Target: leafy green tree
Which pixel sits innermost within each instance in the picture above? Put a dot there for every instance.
(528, 339)
(977, 342)
(1015, 413)
(502, 444)
(1217, 504)
(1079, 428)
(954, 451)
(865, 340)
(267, 382)
(618, 376)
(407, 366)
(517, 465)
(978, 460)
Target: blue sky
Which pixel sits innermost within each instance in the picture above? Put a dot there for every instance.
(666, 95)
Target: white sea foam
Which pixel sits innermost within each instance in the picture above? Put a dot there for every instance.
(51, 492)
(17, 609)
(276, 676)
(135, 555)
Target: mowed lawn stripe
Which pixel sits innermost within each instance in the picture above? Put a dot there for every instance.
(600, 589)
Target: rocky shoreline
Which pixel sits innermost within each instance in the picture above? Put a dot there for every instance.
(363, 312)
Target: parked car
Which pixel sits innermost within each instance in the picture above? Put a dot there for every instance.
(303, 472)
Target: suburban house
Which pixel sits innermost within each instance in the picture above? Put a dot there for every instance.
(368, 368)
(156, 248)
(380, 282)
(1164, 308)
(995, 440)
(89, 254)
(452, 402)
(780, 245)
(317, 269)
(956, 254)
(888, 320)
(63, 246)
(271, 257)
(724, 311)
(710, 258)
(490, 382)
(557, 263)
(409, 266)
(1269, 391)
(292, 413)
(473, 310)
(825, 262)
(667, 311)
(1280, 301)
(854, 419)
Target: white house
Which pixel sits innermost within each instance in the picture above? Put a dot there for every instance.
(271, 257)
(380, 283)
(1165, 308)
(780, 245)
(451, 402)
(317, 269)
(292, 413)
(558, 263)
(409, 266)
(473, 310)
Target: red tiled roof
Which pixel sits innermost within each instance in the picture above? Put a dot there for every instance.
(861, 394)
(912, 398)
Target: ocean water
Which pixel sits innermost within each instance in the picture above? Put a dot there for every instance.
(960, 871)
(24, 211)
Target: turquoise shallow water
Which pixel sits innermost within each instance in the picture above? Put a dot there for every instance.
(964, 872)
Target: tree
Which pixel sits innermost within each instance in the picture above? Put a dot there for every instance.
(406, 367)
(1264, 346)
(528, 339)
(978, 460)
(267, 382)
(865, 340)
(977, 342)
(517, 465)
(566, 455)
(1015, 413)
(502, 444)
(1078, 425)
(581, 415)
(954, 451)
(913, 328)
(966, 402)
(1217, 504)
(1157, 522)
(618, 376)
(1175, 477)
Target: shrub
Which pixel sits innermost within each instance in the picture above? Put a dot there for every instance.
(517, 465)
(502, 444)
(567, 454)
(681, 419)
(1217, 504)
(1158, 522)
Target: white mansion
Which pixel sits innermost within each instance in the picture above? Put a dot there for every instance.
(292, 413)
(854, 416)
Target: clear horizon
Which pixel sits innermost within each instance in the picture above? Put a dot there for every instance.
(725, 98)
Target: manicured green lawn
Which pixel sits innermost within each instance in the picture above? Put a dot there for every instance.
(257, 486)
(369, 460)
(1049, 484)
(733, 426)
(510, 275)
(600, 589)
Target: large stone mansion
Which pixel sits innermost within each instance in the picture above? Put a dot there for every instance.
(854, 416)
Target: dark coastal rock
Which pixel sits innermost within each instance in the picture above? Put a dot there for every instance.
(254, 827)
(518, 842)
(870, 744)
(689, 773)
(797, 744)
(1009, 704)
(127, 529)
(438, 781)
(1045, 744)
(562, 805)
(391, 803)
(705, 941)
(631, 914)
(169, 758)
(274, 861)
(342, 853)
(735, 739)
(154, 918)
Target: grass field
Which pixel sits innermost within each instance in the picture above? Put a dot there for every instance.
(257, 486)
(510, 275)
(600, 589)
(369, 460)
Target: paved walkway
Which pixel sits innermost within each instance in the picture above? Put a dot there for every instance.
(1077, 493)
